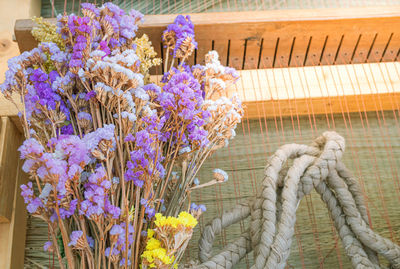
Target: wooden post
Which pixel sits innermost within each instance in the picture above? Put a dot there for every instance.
(12, 207)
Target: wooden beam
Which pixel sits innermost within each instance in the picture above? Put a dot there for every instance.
(317, 32)
(319, 90)
(9, 157)
(12, 207)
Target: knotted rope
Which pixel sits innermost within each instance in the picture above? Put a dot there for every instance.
(273, 211)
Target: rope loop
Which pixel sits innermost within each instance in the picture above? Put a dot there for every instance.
(273, 211)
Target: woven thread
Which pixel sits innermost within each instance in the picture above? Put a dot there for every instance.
(273, 211)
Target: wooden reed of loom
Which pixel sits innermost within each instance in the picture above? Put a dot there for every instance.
(292, 62)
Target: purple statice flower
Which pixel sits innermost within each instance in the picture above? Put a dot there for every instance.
(68, 212)
(181, 29)
(56, 55)
(90, 95)
(67, 129)
(48, 246)
(90, 241)
(231, 71)
(84, 116)
(183, 95)
(116, 230)
(129, 138)
(115, 251)
(96, 201)
(93, 139)
(90, 7)
(142, 158)
(33, 204)
(73, 149)
(128, 26)
(27, 192)
(113, 211)
(74, 237)
(139, 18)
(151, 87)
(31, 147)
(150, 212)
(122, 261)
(121, 241)
(195, 207)
(14, 65)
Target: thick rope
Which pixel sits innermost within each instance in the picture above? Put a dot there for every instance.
(273, 211)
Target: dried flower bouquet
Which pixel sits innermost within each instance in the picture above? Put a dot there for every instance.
(113, 157)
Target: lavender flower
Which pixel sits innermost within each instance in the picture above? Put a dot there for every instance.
(75, 237)
(48, 246)
(179, 37)
(116, 230)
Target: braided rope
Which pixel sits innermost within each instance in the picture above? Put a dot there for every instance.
(273, 211)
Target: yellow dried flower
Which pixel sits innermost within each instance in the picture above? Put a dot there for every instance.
(145, 52)
(150, 233)
(152, 244)
(157, 257)
(47, 32)
(187, 219)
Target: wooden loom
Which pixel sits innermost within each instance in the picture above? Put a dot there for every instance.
(294, 63)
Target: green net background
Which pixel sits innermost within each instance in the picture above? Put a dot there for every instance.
(372, 153)
(50, 8)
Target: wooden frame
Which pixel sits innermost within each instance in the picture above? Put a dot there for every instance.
(12, 208)
(280, 38)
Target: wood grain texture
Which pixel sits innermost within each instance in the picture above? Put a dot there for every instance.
(327, 29)
(12, 207)
(8, 167)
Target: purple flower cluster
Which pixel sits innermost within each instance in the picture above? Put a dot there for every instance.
(183, 95)
(36, 70)
(178, 32)
(149, 210)
(117, 232)
(106, 28)
(195, 207)
(146, 159)
(74, 237)
(33, 204)
(70, 156)
(96, 194)
(93, 139)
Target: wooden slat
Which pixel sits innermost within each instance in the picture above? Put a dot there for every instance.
(327, 86)
(9, 144)
(272, 24)
(12, 207)
(334, 104)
